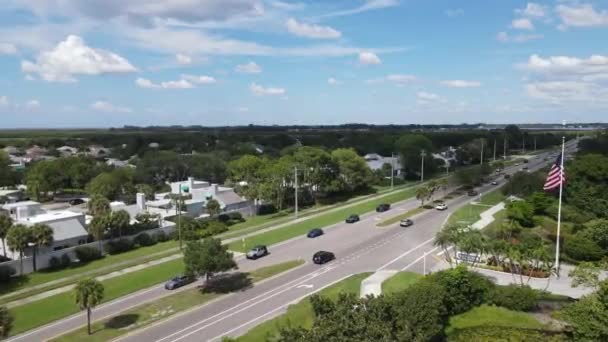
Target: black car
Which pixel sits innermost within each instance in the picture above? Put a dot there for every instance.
(472, 193)
(352, 218)
(178, 281)
(322, 257)
(76, 201)
(507, 176)
(525, 167)
(315, 232)
(383, 207)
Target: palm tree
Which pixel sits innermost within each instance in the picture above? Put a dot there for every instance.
(6, 321)
(443, 184)
(422, 194)
(443, 240)
(42, 235)
(213, 207)
(97, 227)
(18, 237)
(98, 205)
(120, 220)
(6, 222)
(88, 293)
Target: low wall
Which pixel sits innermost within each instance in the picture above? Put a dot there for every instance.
(42, 261)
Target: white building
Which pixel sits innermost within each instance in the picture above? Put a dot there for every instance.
(202, 192)
(68, 226)
(67, 150)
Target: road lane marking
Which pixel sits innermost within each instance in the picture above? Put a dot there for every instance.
(418, 260)
(305, 286)
(406, 253)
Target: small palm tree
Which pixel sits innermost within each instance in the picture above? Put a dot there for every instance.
(88, 293)
(6, 222)
(98, 205)
(119, 221)
(422, 194)
(42, 235)
(97, 227)
(6, 321)
(18, 237)
(213, 207)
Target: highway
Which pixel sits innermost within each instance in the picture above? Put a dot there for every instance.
(359, 247)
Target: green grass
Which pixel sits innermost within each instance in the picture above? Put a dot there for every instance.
(136, 257)
(492, 316)
(301, 314)
(471, 213)
(399, 282)
(301, 228)
(400, 217)
(49, 309)
(149, 313)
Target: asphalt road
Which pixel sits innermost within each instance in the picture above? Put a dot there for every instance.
(359, 247)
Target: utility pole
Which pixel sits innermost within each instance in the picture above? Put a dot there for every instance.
(534, 143)
(422, 155)
(392, 169)
(504, 156)
(494, 154)
(481, 154)
(447, 168)
(295, 171)
(178, 206)
(523, 144)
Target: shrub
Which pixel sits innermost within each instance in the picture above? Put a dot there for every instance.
(54, 263)
(514, 297)
(66, 261)
(581, 248)
(6, 272)
(120, 246)
(266, 209)
(174, 235)
(144, 239)
(484, 333)
(161, 236)
(86, 254)
(464, 289)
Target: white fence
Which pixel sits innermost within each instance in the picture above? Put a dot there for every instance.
(42, 261)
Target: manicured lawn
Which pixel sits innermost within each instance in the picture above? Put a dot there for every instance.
(134, 257)
(302, 228)
(492, 316)
(470, 213)
(400, 217)
(46, 310)
(399, 282)
(149, 313)
(300, 314)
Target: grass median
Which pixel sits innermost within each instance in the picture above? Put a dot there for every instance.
(146, 314)
(301, 228)
(471, 212)
(400, 217)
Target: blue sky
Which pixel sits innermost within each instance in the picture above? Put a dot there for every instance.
(71, 63)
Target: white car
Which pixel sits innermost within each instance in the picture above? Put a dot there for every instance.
(441, 206)
(494, 183)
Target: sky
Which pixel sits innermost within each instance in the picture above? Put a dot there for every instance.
(109, 63)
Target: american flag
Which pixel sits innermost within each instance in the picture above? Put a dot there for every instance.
(557, 175)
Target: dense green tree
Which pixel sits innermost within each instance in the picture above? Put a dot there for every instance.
(119, 221)
(208, 166)
(540, 202)
(597, 230)
(87, 294)
(587, 187)
(98, 205)
(17, 238)
(213, 207)
(410, 147)
(589, 316)
(158, 167)
(521, 212)
(585, 274)
(423, 194)
(41, 235)
(7, 174)
(581, 248)
(44, 177)
(6, 322)
(146, 189)
(204, 258)
(353, 170)
(113, 185)
(523, 184)
(6, 222)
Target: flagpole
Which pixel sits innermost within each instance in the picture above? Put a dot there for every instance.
(559, 208)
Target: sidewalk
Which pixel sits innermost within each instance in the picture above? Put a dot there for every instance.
(487, 216)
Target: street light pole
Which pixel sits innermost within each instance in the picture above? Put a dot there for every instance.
(504, 156)
(534, 143)
(494, 155)
(481, 155)
(392, 169)
(178, 206)
(422, 155)
(296, 190)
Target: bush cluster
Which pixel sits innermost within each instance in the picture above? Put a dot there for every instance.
(119, 246)
(56, 263)
(86, 254)
(514, 297)
(6, 272)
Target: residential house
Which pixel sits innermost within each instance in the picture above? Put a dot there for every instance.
(118, 163)
(97, 151)
(35, 152)
(68, 226)
(11, 150)
(203, 191)
(375, 162)
(67, 151)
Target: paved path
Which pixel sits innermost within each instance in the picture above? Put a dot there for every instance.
(372, 285)
(487, 216)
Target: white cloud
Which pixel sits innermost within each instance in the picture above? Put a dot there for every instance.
(583, 15)
(287, 6)
(333, 81)
(369, 58)
(454, 12)
(203, 79)
(461, 84)
(4, 101)
(369, 5)
(311, 30)
(7, 49)
(424, 98)
(260, 90)
(568, 65)
(106, 107)
(519, 38)
(533, 10)
(249, 68)
(73, 57)
(183, 59)
(32, 104)
(522, 24)
(401, 78)
(179, 84)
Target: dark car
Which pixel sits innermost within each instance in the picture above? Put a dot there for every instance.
(76, 201)
(322, 257)
(178, 281)
(315, 232)
(383, 207)
(507, 176)
(406, 223)
(257, 252)
(525, 167)
(472, 193)
(352, 218)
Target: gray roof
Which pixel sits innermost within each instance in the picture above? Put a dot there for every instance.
(67, 229)
(376, 164)
(229, 197)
